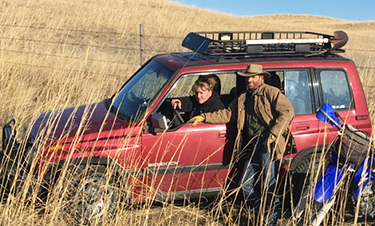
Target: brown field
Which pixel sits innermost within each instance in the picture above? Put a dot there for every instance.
(60, 53)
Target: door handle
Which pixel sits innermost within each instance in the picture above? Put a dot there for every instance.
(222, 134)
(303, 127)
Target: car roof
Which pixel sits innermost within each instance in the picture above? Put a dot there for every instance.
(191, 59)
(210, 48)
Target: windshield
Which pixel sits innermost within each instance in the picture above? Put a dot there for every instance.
(136, 96)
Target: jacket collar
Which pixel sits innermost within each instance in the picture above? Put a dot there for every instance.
(213, 98)
(259, 90)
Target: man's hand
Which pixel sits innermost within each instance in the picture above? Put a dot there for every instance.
(176, 104)
(270, 140)
(197, 119)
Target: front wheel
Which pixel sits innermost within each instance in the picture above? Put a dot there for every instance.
(92, 194)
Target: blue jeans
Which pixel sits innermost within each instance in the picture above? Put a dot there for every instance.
(259, 179)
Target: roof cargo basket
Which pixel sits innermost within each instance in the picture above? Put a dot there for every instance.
(270, 42)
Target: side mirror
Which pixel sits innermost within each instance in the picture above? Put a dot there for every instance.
(159, 121)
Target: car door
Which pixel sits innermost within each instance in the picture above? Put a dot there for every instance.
(185, 159)
(188, 159)
(297, 85)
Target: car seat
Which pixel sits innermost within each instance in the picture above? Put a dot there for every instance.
(213, 80)
(274, 80)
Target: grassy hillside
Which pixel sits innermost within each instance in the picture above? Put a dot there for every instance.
(60, 53)
(57, 53)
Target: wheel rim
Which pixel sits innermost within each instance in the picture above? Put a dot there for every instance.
(93, 198)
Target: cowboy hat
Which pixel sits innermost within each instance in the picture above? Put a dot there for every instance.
(254, 69)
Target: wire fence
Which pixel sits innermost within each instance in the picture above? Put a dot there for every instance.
(138, 45)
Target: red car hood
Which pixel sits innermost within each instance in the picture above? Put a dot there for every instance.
(86, 122)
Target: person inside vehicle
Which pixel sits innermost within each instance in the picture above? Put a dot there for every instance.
(262, 115)
(205, 99)
(296, 96)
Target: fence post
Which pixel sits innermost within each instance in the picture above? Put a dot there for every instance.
(141, 37)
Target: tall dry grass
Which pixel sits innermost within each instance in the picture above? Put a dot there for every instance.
(56, 54)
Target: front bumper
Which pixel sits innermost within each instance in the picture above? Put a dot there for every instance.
(13, 170)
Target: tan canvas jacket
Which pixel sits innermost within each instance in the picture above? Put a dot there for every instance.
(272, 107)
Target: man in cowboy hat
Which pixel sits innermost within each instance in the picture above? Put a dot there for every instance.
(263, 115)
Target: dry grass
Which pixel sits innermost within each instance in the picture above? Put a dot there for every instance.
(60, 53)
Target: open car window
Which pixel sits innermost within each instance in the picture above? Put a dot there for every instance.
(183, 89)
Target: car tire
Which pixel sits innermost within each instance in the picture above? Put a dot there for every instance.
(92, 194)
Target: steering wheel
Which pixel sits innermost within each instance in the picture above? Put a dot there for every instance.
(177, 118)
(173, 115)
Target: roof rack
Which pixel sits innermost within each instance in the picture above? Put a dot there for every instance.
(269, 42)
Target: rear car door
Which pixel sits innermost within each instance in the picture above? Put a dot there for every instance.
(297, 85)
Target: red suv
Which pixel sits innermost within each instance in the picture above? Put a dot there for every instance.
(151, 150)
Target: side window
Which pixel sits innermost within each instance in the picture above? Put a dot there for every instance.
(297, 90)
(296, 87)
(227, 84)
(335, 88)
